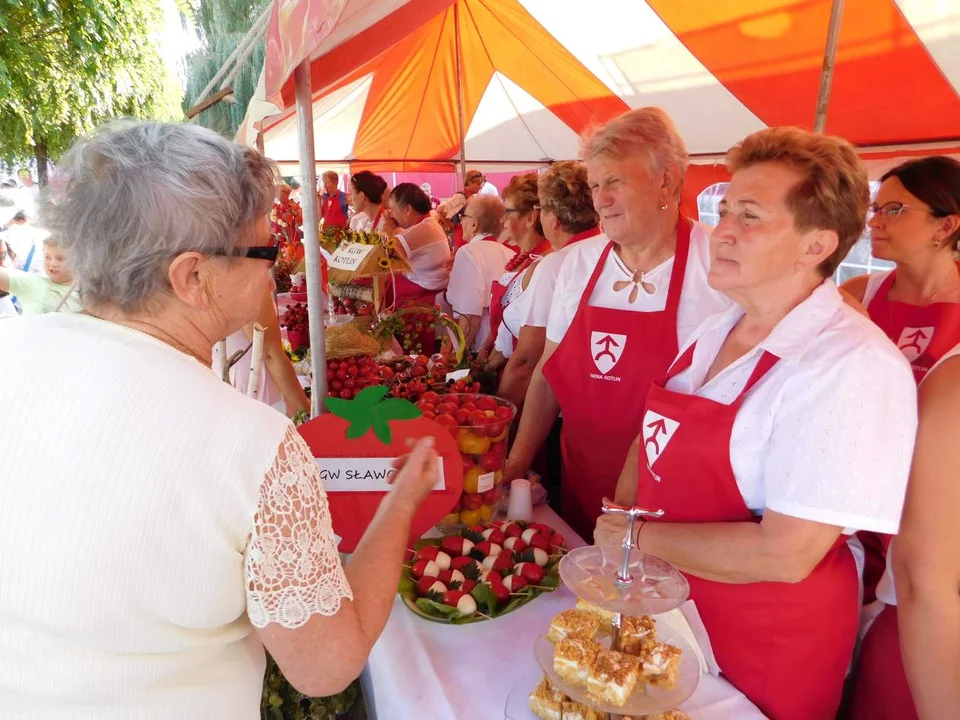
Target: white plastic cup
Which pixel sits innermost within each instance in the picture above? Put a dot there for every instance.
(521, 501)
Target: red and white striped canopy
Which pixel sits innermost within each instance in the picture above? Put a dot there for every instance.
(389, 92)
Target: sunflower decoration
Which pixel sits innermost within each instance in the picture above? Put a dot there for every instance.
(384, 263)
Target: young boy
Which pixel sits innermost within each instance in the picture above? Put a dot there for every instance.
(42, 294)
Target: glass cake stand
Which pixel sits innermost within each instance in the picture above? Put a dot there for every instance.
(625, 581)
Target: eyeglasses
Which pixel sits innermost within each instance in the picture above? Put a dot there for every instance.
(894, 209)
(255, 252)
(511, 211)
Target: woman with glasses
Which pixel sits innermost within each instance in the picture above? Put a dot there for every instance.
(568, 217)
(522, 223)
(159, 529)
(914, 222)
(367, 191)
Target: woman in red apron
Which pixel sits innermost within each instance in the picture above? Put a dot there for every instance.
(915, 223)
(567, 216)
(926, 555)
(366, 197)
(774, 580)
(333, 202)
(619, 311)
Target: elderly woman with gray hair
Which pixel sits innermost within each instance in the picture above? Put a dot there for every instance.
(624, 303)
(159, 528)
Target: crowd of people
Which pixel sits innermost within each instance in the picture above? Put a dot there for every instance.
(798, 436)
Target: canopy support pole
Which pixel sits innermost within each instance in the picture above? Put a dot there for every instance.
(311, 237)
(463, 130)
(829, 61)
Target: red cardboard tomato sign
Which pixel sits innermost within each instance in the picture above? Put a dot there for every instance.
(354, 445)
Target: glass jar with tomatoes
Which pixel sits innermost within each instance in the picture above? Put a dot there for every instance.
(481, 424)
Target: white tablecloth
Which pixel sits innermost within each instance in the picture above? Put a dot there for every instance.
(420, 670)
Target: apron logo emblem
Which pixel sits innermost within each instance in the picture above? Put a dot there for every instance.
(913, 342)
(606, 349)
(657, 433)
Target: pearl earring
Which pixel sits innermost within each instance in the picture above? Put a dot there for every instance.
(663, 207)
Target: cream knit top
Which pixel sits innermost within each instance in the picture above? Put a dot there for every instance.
(142, 509)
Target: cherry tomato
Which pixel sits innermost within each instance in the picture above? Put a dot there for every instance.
(430, 397)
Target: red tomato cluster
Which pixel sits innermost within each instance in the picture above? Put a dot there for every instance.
(295, 317)
(347, 377)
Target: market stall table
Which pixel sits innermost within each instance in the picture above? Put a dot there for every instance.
(420, 670)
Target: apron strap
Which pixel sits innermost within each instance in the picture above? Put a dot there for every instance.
(764, 365)
(679, 265)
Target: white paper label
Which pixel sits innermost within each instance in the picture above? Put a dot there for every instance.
(361, 474)
(458, 374)
(485, 482)
(350, 255)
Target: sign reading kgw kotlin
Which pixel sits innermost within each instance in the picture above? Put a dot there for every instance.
(349, 256)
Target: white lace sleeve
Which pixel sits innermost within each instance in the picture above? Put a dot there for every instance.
(292, 567)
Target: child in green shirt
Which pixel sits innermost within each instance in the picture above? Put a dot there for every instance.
(39, 294)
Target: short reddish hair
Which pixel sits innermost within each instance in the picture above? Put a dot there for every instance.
(834, 193)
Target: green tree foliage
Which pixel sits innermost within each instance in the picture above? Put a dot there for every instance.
(68, 65)
(222, 25)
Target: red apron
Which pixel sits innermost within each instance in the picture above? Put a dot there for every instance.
(333, 215)
(923, 335)
(786, 646)
(879, 690)
(599, 374)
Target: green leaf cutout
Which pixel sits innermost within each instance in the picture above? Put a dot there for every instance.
(398, 409)
(382, 430)
(369, 411)
(370, 396)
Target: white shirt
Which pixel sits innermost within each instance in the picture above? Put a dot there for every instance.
(430, 260)
(697, 301)
(142, 507)
(488, 189)
(475, 267)
(362, 221)
(827, 435)
(538, 297)
(516, 299)
(886, 591)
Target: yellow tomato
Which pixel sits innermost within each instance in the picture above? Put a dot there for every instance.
(471, 480)
(470, 517)
(498, 477)
(471, 444)
(451, 519)
(486, 512)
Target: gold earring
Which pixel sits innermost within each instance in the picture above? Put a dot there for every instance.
(663, 207)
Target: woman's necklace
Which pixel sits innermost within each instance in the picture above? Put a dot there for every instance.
(635, 283)
(519, 260)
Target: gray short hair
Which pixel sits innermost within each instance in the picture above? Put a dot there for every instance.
(648, 132)
(488, 211)
(131, 196)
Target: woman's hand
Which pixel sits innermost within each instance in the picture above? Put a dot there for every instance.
(418, 473)
(390, 227)
(610, 529)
